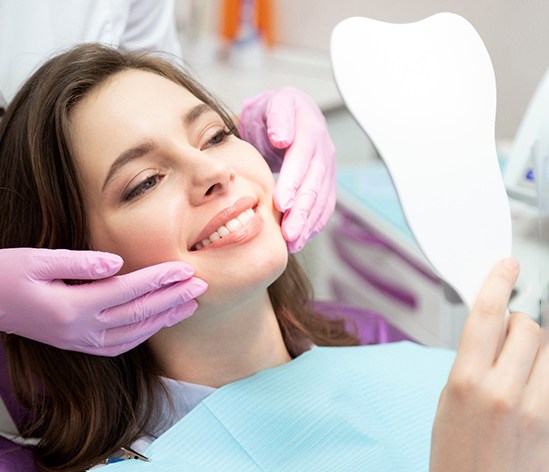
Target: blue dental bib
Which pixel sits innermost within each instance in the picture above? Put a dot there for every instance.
(331, 409)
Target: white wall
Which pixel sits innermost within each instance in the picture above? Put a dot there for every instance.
(516, 34)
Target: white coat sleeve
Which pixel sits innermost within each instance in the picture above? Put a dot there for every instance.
(151, 26)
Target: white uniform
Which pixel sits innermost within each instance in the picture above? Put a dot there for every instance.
(31, 31)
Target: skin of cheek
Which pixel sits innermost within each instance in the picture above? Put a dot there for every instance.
(143, 236)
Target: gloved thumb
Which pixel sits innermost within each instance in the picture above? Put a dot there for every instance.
(280, 118)
(52, 264)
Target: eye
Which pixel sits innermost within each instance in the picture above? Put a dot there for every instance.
(144, 186)
(218, 138)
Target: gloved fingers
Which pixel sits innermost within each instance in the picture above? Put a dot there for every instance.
(121, 289)
(122, 339)
(309, 215)
(315, 224)
(308, 197)
(153, 303)
(280, 117)
(251, 125)
(295, 167)
(62, 264)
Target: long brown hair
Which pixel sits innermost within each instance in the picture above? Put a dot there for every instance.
(85, 407)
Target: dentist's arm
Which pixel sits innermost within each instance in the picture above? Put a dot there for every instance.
(105, 317)
(289, 130)
(493, 415)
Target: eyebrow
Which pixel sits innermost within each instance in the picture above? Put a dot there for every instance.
(196, 112)
(126, 157)
(146, 147)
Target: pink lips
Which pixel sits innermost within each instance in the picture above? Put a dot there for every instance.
(223, 216)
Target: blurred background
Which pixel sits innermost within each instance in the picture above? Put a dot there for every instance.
(516, 35)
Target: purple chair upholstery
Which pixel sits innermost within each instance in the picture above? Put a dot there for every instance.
(13, 457)
(371, 329)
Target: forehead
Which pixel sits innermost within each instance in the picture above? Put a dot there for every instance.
(132, 90)
(131, 100)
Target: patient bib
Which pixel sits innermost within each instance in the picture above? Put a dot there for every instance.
(331, 409)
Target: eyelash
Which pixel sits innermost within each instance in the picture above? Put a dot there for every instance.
(143, 186)
(221, 135)
(154, 179)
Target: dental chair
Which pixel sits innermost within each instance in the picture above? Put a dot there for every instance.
(13, 457)
(370, 327)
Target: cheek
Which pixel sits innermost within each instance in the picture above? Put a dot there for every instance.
(141, 237)
(253, 168)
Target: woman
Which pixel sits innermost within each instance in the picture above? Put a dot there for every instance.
(285, 125)
(126, 154)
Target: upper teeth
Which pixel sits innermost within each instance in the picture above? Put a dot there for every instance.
(229, 227)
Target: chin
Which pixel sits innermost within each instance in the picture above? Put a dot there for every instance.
(235, 282)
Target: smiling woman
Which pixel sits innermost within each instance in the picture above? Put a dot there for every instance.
(126, 153)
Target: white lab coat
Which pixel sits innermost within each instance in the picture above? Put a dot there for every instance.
(31, 31)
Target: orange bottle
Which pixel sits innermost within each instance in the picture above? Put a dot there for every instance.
(246, 20)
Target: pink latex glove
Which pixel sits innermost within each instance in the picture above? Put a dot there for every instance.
(105, 317)
(287, 119)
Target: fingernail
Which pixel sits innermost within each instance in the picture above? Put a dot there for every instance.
(283, 205)
(171, 279)
(106, 263)
(179, 273)
(294, 247)
(283, 200)
(293, 225)
(200, 286)
(511, 263)
(180, 313)
(290, 233)
(281, 139)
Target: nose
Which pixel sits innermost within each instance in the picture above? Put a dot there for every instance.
(211, 177)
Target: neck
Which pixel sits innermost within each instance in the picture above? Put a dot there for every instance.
(216, 349)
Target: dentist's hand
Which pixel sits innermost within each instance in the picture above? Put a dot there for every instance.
(289, 130)
(106, 317)
(493, 414)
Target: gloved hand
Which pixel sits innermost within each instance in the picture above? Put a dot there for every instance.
(105, 317)
(287, 119)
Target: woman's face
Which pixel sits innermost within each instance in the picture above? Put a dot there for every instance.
(161, 182)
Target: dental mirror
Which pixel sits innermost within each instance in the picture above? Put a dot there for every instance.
(425, 94)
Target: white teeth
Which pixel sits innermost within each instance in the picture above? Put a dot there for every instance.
(223, 231)
(243, 218)
(227, 228)
(233, 225)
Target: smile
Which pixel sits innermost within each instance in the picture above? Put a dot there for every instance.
(224, 230)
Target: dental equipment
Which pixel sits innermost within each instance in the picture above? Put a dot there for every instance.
(540, 155)
(425, 95)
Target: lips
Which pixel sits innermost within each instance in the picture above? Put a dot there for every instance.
(226, 224)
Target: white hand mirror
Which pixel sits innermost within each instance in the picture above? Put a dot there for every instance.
(425, 94)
